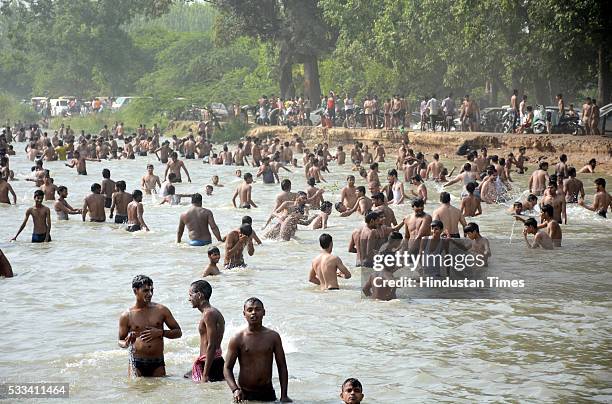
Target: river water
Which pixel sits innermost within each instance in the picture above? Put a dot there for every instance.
(61, 309)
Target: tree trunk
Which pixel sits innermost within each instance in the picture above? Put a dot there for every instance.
(541, 91)
(312, 86)
(604, 85)
(286, 65)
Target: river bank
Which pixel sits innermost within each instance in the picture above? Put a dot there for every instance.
(579, 149)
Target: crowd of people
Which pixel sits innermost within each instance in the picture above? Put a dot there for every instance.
(484, 179)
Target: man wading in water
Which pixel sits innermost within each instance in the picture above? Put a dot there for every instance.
(254, 347)
(142, 328)
(211, 329)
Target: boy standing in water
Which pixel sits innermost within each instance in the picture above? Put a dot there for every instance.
(209, 365)
(254, 348)
(214, 255)
(540, 239)
(108, 187)
(351, 391)
(41, 216)
(601, 201)
(142, 327)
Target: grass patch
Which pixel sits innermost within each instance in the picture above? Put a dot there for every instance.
(233, 131)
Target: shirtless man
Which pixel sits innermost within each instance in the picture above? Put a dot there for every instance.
(314, 193)
(379, 152)
(254, 348)
(94, 204)
(240, 156)
(417, 225)
(449, 216)
(434, 168)
(5, 266)
(108, 187)
(589, 168)
(141, 329)
(174, 166)
(189, 148)
(561, 168)
(326, 267)
(601, 201)
(540, 239)
(379, 205)
(5, 188)
(372, 178)
(552, 225)
(135, 212)
(267, 172)
(340, 156)
(284, 196)
(470, 204)
(348, 194)
(198, 221)
(211, 328)
(421, 191)
(48, 187)
(363, 205)
(149, 181)
(244, 191)
(539, 179)
(80, 163)
(488, 189)
(574, 189)
(557, 201)
(164, 152)
(235, 242)
(62, 207)
(120, 201)
(41, 217)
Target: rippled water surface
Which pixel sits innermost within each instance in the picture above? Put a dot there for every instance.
(61, 309)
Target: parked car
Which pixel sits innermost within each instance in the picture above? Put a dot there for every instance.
(121, 102)
(59, 106)
(220, 111)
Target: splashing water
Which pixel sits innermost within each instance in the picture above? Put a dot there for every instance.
(131, 351)
(512, 232)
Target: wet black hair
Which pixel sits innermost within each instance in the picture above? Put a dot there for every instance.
(571, 172)
(247, 220)
(548, 209)
(311, 181)
(371, 216)
(361, 189)
(379, 195)
(471, 227)
(325, 240)
(326, 205)
(253, 300)
(285, 185)
(392, 172)
(247, 176)
(121, 185)
(563, 158)
(106, 173)
(95, 187)
(395, 236)
(196, 198)
(532, 197)
(531, 222)
(213, 250)
(141, 280)
(418, 203)
(137, 195)
(600, 181)
(445, 197)
(38, 192)
(437, 223)
(202, 286)
(246, 229)
(353, 382)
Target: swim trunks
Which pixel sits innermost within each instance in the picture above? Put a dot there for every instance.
(199, 243)
(216, 369)
(108, 202)
(84, 172)
(39, 238)
(96, 220)
(120, 219)
(143, 154)
(231, 266)
(603, 213)
(147, 366)
(133, 227)
(454, 235)
(245, 206)
(333, 288)
(190, 156)
(266, 393)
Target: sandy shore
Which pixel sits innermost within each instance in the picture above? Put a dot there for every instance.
(580, 149)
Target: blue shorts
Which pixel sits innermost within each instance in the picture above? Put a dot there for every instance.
(39, 238)
(199, 243)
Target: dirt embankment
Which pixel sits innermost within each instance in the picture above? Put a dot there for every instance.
(578, 148)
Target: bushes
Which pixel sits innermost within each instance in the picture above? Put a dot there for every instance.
(12, 110)
(235, 130)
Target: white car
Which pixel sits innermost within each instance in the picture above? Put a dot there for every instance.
(59, 106)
